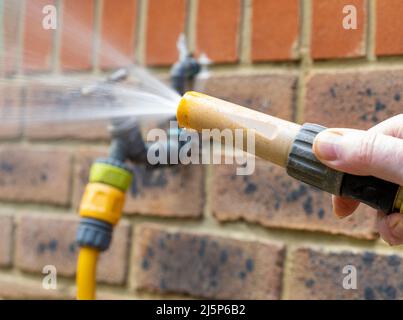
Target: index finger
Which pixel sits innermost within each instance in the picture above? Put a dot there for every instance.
(391, 127)
(343, 207)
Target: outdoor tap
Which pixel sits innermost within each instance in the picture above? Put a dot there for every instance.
(128, 143)
(184, 71)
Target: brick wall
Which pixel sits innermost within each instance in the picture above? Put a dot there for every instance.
(198, 231)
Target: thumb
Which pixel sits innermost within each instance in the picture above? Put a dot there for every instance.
(361, 153)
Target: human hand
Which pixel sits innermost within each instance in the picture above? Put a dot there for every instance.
(377, 152)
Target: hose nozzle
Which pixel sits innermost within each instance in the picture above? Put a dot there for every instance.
(273, 136)
(289, 145)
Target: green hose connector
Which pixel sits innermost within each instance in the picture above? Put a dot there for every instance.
(111, 175)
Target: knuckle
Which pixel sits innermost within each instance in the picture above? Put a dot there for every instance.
(399, 130)
(398, 125)
(366, 150)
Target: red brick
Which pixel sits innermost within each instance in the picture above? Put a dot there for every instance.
(329, 38)
(22, 288)
(269, 93)
(11, 26)
(158, 192)
(118, 33)
(354, 99)
(10, 109)
(166, 21)
(169, 192)
(389, 24)
(38, 42)
(6, 240)
(46, 239)
(207, 266)
(77, 34)
(275, 29)
(317, 274)
(40, 98)
(271, 198)
(218, 24)
(35, 175)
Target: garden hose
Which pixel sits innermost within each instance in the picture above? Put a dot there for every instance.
(289, 145)
(86, 273)
(100, 210)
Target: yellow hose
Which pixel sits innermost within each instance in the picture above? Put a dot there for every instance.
(86, 273)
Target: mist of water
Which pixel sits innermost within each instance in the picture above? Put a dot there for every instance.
(63, 98)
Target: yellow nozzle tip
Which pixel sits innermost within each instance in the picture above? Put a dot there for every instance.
(187, 101)
(182, 114)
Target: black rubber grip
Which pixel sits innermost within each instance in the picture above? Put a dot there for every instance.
(303, 165)
(377, 193)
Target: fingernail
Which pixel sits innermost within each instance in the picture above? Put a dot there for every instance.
(326, 145)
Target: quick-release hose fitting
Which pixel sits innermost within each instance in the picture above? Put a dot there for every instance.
(102, 203)
(100, 209)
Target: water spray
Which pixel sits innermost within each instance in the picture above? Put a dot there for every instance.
(289, 145)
